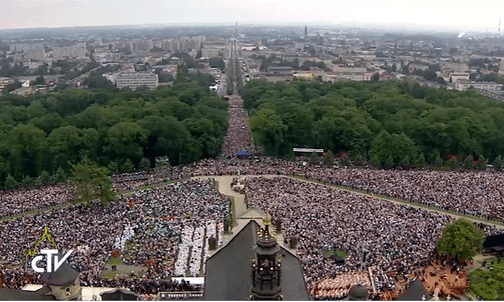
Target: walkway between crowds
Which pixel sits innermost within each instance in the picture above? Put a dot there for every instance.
(243, 215)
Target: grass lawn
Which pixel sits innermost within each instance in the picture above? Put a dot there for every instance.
(233, 211)
(108, 274)
(115, 261)
(488, 282)
(338, 253)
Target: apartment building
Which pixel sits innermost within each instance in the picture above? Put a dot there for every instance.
(134, 80)
(70, 52)
(458, 76)
(345, 69)
(210, 52)
(463, 85)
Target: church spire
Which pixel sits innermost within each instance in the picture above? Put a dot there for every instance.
(266, 267)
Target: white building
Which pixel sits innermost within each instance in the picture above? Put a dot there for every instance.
(458, 76)
(345, 75)
(134, 80)
(209, 52)
(34, 54)
(344, 69)
(455, 66)
(463, 85)
(77, 51)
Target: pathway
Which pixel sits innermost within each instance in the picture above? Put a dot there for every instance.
(243, 215)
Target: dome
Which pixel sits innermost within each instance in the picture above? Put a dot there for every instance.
(358, 292)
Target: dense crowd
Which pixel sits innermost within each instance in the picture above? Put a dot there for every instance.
(339, 286)
(148, 224)
(238, 133)
(474, 193)
(131, 181)
(145, 225)
(18, 201)
(394, 237)
(470, 193)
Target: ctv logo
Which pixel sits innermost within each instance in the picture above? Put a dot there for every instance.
(49, 261)
(51, 256)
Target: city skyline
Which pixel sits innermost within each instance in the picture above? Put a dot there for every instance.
(447, 15)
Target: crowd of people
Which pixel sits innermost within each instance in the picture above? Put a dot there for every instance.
(148, 224)
(142, 287)
(155, 217)
(19, 201)
(472, 193)
(393, 237)
(339, 286)
(134, 180)
(238, 133)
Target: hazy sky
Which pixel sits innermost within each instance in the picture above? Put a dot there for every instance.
(462, 14)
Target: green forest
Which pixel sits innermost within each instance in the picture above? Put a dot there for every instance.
(118, 129)
(386, 123)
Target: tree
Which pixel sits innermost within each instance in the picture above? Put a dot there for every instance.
(380, 148)
(10, 182)
(127, 166)
(469, 162)
(497, 163)
(39, 80)
(28, 181)
(461, 240)
(64, 144)
(314, 158)
(394, 67)
(430, 75)
(113, 167)
(44, 178)
(440, 81)
(421, 160)
(92, 182)
(437, 159)
(98, 82)
(453, 163)
(217, 63)
(482, 163)
(60, 175)
(329, 159)
(389, 162)
(345, 160)
(144, 164)
(126, 140)
(405, 161)
(375, 161)
(268, 130)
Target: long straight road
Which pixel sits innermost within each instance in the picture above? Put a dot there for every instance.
(238, 137)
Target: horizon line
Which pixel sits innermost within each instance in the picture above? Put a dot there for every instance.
(363, 25)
